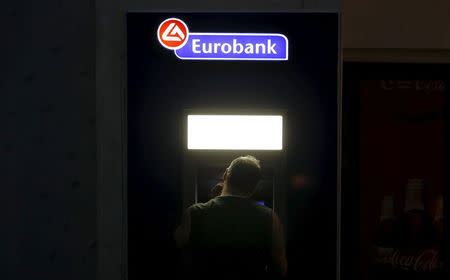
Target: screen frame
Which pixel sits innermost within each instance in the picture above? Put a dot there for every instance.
(233, 111)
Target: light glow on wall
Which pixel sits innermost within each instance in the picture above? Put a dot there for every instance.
(235, 132)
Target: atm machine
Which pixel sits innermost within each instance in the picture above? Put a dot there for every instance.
(215, 137)
(205, 88)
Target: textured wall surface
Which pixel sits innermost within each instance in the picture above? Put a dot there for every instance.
(48, 140)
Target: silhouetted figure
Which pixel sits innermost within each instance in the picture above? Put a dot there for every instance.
(232, 236)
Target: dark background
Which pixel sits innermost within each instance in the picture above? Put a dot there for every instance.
(62, 87)
(160, 87)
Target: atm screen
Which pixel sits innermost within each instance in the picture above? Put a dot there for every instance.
(264, 192)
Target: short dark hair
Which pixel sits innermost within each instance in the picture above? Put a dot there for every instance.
(244, 174)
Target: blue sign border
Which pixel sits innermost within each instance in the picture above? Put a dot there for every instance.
(239, 34)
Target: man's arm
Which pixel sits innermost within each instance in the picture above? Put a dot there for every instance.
(183, 231)
(278, 248)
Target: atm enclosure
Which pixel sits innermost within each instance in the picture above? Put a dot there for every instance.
(164, 177)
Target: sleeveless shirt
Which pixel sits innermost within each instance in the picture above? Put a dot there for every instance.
(230, 236)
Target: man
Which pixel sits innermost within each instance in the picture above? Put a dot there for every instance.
(232, 236)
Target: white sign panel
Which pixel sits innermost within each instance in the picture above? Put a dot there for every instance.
(235, 132)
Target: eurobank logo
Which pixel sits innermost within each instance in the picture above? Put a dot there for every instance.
(174, 34)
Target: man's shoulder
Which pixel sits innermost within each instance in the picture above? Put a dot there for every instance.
(221, 203)
(201, 205)
(263, 208)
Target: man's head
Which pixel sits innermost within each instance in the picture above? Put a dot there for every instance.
(243, 175)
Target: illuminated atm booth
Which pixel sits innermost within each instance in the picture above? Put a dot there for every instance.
(214, 138)
(205, 88)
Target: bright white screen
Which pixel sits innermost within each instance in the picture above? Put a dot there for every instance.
(235, 132)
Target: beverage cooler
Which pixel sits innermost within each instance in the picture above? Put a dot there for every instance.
(204, 88)
(395, 172)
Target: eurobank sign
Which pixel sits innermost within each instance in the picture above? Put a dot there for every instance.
(173, 34)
